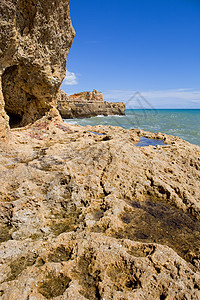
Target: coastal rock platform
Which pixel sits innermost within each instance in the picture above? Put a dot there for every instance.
(87, 214)
(88, 104)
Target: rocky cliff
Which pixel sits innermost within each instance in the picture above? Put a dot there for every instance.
(35, 38)
(85, 213)
(87, 96)
(88, 104)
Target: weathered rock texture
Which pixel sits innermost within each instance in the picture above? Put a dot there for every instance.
(90, 96)
(35, 37)
(3, 116)
(88, 104)
(85, 214)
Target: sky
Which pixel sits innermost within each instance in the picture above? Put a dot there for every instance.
(124, 47)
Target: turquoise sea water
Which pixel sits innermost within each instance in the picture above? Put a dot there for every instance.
(184, 123)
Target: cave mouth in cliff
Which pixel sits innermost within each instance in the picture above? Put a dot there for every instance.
(10, 90)
(20, 105)
(14, 120)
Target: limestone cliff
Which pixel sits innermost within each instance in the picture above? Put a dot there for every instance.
(89, 96)
(35, 38)
(88, 104)
(85, 213)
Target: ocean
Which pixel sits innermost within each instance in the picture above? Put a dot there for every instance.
(184, 123)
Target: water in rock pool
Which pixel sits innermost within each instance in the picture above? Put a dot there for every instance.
(149, 142)
(184, 123)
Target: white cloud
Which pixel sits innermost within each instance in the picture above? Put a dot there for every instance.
(187, 94)
(179, 98)
(70, 79)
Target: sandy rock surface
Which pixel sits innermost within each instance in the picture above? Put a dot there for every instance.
(86, 214)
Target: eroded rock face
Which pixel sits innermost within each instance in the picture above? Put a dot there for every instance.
(89, 96)
(86, 214)
(3, 116)
(88, 104)
(35, 38)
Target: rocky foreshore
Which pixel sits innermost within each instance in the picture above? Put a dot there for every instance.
(88, 104)
(85, 213)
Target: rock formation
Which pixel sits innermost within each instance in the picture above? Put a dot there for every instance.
(89, 96)
(3, 116)
(86, 214)
(35, 38)
(88, 104)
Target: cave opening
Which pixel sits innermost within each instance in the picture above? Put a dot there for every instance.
(20, 106)
(10, 90)
(14, 119)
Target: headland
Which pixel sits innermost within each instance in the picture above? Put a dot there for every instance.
(85, 213)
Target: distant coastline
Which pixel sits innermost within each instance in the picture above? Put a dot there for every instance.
(87, 104)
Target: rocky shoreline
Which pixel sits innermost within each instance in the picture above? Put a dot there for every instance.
(93, 216)
(88, 104)
(85, 213)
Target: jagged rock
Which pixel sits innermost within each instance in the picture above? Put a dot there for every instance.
(88, 104)
(35, 38)
(90, 96)
(86, 214)
(3, 116)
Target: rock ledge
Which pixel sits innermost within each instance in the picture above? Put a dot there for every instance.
(88, 104)
(86, 214)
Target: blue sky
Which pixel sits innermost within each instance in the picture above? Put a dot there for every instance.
(137, 45)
